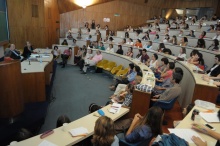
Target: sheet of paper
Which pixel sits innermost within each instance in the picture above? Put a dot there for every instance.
(210, 117)
(115, 108)
(79, 131)
(46, 143)
(185, 134)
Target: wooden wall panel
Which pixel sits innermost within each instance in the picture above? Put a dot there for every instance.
(130, 14)
(40, 31)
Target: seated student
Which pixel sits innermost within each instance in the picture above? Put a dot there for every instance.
(78, 56)
(85, 57)
(101, 46)
(191, 34)
(173, 40)
(161, 47)
(74, 42)
(93, 61)
(56, 52)
(172, 92)
(61, 120)
(120, 51)
(200, 44)
(121, 87)
(153, 64)
(197, 60)
(110, 48)
(217, 35)
(166, 38)
(126, 35)
(139, 55)
(69, 36)
(214, 71)
(148, 45)
(64, 42)
(181, 33)
(128, 97)
(111, 33)
(79, 37)
(156, 38)
(166, 83)
(138, 43)
(182, 55)
(95, 44)
(88, 31)
(211, 29)
(111, 40)
(144, 128)
(144, 57)
(122, 42)
(166, 74)
(199, 28)
(203, 129)
(130, 42)
(146, 36)
(28, 49)
(66, 54)
(89, 38)
(104, 133)
(130, 52)
(162, 68)
(93, 24)
(202, 35)
(14, 54)
(214, 46)
(183, 42)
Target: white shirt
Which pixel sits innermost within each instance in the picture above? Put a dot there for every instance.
(182, 56)
(153, 64)
(110, 50)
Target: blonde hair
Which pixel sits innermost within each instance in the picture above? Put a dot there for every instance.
(104, 132)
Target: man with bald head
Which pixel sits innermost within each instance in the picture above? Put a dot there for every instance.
(14, 54)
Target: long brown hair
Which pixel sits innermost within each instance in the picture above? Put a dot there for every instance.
(153, 118)
(104, 132)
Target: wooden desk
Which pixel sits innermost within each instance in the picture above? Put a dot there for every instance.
(61, 138)
(35, 77)
(187, 123)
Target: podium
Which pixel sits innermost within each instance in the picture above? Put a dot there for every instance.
(11, 93)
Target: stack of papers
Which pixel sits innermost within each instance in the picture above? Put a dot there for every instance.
(185, 134)
(210, 117)
(115, 108)
(81, 131)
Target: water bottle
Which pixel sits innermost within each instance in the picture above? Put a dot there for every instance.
(40, 59)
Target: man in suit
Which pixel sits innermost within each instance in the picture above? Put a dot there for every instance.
(14, 54)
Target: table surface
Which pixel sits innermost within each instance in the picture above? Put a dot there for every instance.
(187, 123)
(59, 137)
(36, 66)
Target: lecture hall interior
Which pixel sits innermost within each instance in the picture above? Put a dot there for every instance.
(109, 72)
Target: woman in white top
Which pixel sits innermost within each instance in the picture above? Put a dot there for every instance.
(130, 42)
(130, 52)
(110, 48)
(166, 39)
(153, 62)
(182, 55)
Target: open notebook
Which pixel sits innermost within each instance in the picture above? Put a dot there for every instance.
(81, 131)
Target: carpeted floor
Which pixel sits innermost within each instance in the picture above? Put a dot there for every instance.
(74, 92)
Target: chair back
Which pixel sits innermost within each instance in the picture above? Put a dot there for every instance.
(165, 105)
